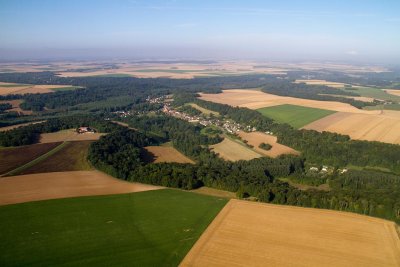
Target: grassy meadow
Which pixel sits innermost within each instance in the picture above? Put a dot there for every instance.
(296, 116)
(153, 228)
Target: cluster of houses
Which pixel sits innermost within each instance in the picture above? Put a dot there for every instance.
(157, 100)
(227, 125)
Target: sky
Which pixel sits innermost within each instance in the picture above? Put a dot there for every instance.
(352, 30)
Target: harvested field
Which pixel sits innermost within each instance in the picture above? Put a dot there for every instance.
(255, 99)
(204, 190)
(40, 186)
(15, 106)
(164, 154)
(254, 234)
(383, 128)
(296, 116)
(322, 82)
(72, 157)
(233, 151)
(393, 92)
(68, 135)
(256, 138)
(12, 158)
(9, 88)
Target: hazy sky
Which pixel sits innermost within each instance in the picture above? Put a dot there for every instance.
(360, 30)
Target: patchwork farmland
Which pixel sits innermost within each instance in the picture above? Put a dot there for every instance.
(296, 116)
(359, 124)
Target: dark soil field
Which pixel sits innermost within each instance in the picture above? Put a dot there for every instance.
(71, 158)
(12, 158)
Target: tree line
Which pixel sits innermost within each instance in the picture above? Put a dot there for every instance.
(119, 155)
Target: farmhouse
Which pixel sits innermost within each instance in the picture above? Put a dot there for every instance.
(82, 130)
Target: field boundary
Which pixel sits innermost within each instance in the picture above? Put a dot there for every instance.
(212, 248)
(35, 161)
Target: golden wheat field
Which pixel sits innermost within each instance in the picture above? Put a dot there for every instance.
(256, 234)
(33, 187)
(393, 92)
(384, 127)
(233, 151)
(167, 154)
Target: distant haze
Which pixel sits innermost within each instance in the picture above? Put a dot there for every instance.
(353, 30)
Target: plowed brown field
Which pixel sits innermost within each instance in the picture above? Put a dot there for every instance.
(41, 186)
(255, 234)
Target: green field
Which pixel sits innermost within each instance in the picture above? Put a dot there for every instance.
(296, 116)
(153, 228)
(373, 93)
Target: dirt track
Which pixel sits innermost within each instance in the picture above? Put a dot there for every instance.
(41, 186)
(254, 234)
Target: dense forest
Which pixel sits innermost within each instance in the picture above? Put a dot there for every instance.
(376, 195)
